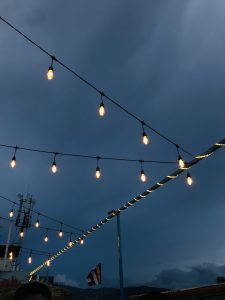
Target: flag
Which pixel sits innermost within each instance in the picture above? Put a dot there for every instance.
(95, 276)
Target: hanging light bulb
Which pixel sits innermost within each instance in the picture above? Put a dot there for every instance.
(181, 162)
(21, 233)
(143, 177)
(101, 109)
(11, 213)
(46, 236)
(70, 241)
(13, 161)
(145, 139)
(81, 241)
(54, 166)
(97, 171)
(60, 231)
(37, 223)
(50, 73)
(30, 258)
(48, 262)
(189, 179)
(11, 255)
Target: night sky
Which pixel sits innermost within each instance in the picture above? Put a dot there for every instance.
(162, 60)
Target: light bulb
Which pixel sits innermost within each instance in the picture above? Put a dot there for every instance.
(10, 255)
(60, 233)
(143, 177)
(82, 241)
(22, 233)
(46, 238)
(50, 73)
(97, 173)
(189, 179)
(181, 162)
(54, 167)
(70, 243)
(145, 139)
(48, 263)
(37, 224)
(101, 109)
(29, 259)
(13, 162)
(11, 213)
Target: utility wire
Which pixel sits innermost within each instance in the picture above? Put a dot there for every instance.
(135, 200)
(103, 94)
(41, 215)
(87, 156)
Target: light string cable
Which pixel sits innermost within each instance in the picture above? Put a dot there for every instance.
(39, 214)
(135, 200)
(56, 154)
(101, 93)
(60, 230)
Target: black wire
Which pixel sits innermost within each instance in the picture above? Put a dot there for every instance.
(95, 88)
(41, 214)
(88, 156)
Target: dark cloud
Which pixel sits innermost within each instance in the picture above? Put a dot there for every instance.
(193, 276)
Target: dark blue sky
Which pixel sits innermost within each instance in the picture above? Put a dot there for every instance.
(164, 61)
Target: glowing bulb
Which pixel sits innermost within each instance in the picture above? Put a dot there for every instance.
(54, 167)
(46, 238)
(37, 224)
(13, 162)
(181, 162)
(11, 213)
(21, 233)
(70, 243)
(48, 263)
(50, 73)
(10, 255)
(145, 139)
(82, 241)
(29, 259)
(97, 173)
(189, 179)
(143, 176)
(101, 109)
(60, 233)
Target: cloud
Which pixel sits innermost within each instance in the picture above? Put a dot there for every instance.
(199, 275)
(61, 279)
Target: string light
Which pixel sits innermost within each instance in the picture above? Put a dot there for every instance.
(54, 166)
(50, 73)
(30, 258)
(46, 236)
(189, 179)
(82, 241)
(60, 232)
(181, 162)
(13, 161)
(145, 139)
(97, 171)
(37, 223)
(143, 177)
(22, 233)
(11, 214)
(101, 109)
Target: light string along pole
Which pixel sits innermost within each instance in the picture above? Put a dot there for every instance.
(135, 200)
(50, 76)
(39, 214)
